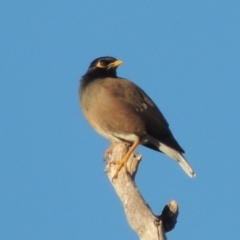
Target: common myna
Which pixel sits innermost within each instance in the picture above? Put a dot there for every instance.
(121, 111)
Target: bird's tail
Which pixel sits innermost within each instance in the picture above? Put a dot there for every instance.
(179, 158)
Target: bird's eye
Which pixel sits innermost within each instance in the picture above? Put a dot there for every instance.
(102, 64)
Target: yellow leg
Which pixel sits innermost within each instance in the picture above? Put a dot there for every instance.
(123, 162)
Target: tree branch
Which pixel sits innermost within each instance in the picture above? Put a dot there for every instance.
(139, 215)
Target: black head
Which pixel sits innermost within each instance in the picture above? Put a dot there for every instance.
(103, 67)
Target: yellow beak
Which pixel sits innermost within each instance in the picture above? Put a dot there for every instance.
(114, 64)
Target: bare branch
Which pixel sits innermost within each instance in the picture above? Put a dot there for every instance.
(139, 215)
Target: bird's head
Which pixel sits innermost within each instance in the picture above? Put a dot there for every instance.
(103, 67)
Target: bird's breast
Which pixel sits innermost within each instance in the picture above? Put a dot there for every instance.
(110, 115)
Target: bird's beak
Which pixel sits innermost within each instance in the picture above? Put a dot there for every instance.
(114, 64)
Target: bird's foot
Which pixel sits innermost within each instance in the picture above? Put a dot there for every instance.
(121, 164)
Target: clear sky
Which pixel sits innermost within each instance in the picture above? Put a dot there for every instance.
(184, 54)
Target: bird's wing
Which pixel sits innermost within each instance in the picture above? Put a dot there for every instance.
(155, 123)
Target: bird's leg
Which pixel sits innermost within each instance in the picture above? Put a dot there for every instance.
(124, 160)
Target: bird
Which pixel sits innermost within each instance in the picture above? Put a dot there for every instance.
(121, 111)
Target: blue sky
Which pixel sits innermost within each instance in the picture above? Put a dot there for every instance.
(184, 54)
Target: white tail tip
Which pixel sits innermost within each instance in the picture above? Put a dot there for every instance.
(179, 158)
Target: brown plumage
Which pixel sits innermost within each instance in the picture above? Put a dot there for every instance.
(120, 111)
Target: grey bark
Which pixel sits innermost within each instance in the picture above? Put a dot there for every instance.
(139, 215)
